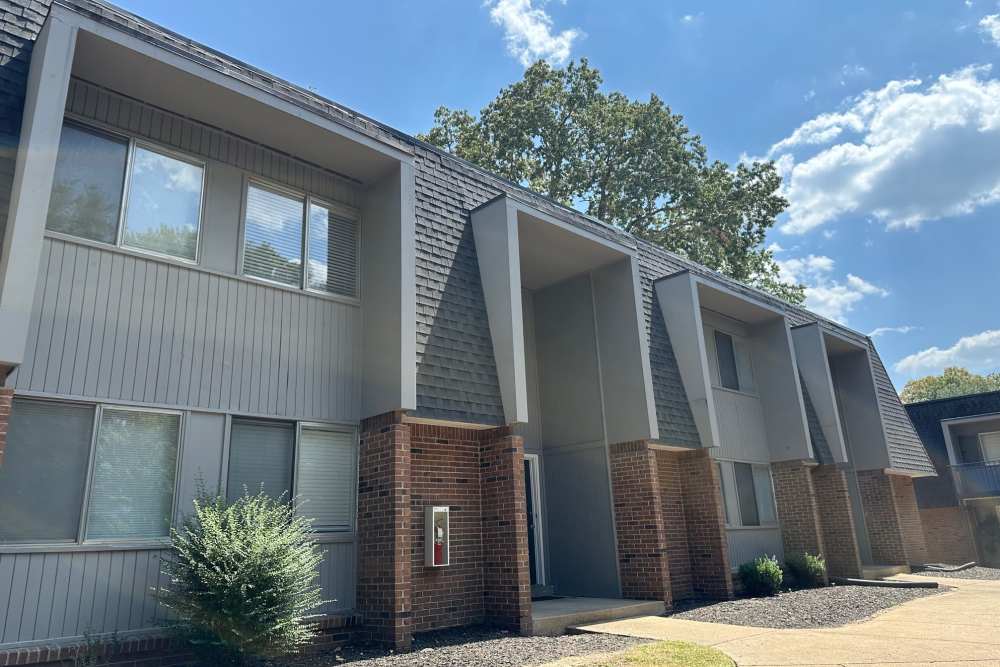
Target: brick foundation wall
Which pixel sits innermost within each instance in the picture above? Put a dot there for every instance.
(798, 509)
(880, 518)
(947, 535)
(668, 468)
(6, 403)
(836, 518)
(908, 517)
(642, 556)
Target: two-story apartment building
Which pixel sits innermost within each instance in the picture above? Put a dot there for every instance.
(212, 277)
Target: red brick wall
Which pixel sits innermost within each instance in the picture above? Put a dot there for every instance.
(384, 590)
(668, 468)
(642, 558)
(908, 516)
(880, 518)
(6, 398)
(947, 535)
(843, 556)
(798, 511)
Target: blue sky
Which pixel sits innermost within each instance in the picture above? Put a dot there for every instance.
(884, 118)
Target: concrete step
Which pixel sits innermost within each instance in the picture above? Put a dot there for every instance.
(555, 617)
(883, 571)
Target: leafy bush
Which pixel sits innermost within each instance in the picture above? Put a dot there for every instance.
(243, 579)
(761, 577)
(806, 570)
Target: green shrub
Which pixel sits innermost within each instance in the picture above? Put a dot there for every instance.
(761, 577)
(806, 570)
(242, 579)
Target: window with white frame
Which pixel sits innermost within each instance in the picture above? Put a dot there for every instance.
(74, 472)
(748, 494)
(314, 464)
(119, 190)
(989, 443)
(731, 366)
(297, 240)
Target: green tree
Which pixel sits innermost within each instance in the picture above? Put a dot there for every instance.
(953, 381)
(631, 163)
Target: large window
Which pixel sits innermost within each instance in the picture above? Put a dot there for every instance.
(283, 227)
(315, 465)
(64, 480)
(748, 494)
(115, 190)
(732, 368)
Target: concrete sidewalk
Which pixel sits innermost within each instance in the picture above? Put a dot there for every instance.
(959, 627)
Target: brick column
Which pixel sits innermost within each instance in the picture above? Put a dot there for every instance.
(701, 490)
(843, 556)
(642, 558)
(798, 510)
(948, 535)
(6, 403)
(506, 576)
(881, 519)
(908, 517)
(384, 571)
(668, 470)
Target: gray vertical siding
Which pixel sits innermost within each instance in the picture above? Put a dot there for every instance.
(114, 326)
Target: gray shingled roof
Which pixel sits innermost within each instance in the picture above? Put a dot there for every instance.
(456, 374)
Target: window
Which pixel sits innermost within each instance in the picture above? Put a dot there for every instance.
(990, 444)
(63, 479)
(162, 213)
(734, 369)
(283, 227)
(316, 464)
(748, 495)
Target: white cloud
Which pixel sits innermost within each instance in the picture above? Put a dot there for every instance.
(990, 26)
(906, 153)
(692, 19)
(528, 32)
(881, 331)
(825, 294)
(980, 353)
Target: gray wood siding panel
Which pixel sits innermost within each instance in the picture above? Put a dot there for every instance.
(164, 334)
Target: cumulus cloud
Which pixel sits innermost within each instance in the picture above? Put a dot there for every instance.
(904, 154)
(881, 331)
(990, 26)
(980, 353)
(825, 294)
(528, 32)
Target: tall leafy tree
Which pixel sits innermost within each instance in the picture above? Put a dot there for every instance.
(628, 162)
(953, 381)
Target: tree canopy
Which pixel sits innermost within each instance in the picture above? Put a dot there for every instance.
(953, 381)
(631, 163)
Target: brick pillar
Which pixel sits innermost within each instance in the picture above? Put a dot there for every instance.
(948, 535)
(798, 510)
(668, 470)
(506, 576)
(881, 519)
(836, 518)
(384, 571)
(908, 517)
(642, 558)
(701, 490)
(6, 404)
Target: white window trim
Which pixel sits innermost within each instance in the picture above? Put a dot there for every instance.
(982, 446)
(343, 211)
(81, 543)
(729, 463)
(536, 491)
(133, 141)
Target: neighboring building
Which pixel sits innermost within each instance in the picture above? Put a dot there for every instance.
(960, 508)
(212, 276)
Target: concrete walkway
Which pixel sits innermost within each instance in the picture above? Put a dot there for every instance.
(959, 627)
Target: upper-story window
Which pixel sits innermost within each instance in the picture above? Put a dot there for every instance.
(732, 368)
(112, 189)
(294, 239)
(989, 443)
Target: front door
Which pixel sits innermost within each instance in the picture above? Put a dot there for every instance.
(531, 490)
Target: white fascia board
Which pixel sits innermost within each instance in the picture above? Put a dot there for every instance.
(494, 228)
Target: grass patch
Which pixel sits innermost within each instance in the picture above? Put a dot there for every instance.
(668, 654)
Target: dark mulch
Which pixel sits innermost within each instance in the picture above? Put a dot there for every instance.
(473, 645)
(975, 572)
(812, 608)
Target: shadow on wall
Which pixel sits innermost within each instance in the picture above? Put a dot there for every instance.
(673, 412)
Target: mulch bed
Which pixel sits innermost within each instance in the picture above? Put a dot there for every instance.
(471, 646)
(975, 572)
(813, 608)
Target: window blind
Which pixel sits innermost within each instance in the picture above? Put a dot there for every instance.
(728, 376)
(333, 252)
(765, 494)
(135, 462)
(744, 369)
(990, 442)
(272, 243)
(746, 494)
(261, 456)
(44, 471)
(326, 483)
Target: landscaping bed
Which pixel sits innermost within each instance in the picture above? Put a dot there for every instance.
(975, 572)
(810, 608)
(472, 646)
